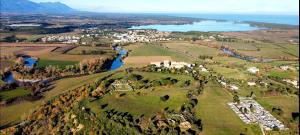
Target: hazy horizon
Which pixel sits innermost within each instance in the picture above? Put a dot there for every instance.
(257, 7)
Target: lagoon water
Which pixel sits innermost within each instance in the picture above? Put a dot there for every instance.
(279, 19)
(204, 26)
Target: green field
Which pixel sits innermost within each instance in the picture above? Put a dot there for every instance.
(266, 50)
(89, 49)
(11, 94)
(147, 103)
(67, 57)
(217, 117)
(284, 74)
(156, 50)
(242, 46)
(61, 64)
(230, 73)
(193, 49)
(274, 51)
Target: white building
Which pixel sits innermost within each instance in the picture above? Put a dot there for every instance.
(253, 70)
(233, 87)
(285, 68)
(203, 69)
(171, 64)
(293, 82)
(251, 83)
(157, 64)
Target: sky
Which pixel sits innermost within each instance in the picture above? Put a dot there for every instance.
(185, 6)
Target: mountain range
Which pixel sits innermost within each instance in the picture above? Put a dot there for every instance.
(27, 6)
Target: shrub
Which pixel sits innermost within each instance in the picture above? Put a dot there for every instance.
(165, 98)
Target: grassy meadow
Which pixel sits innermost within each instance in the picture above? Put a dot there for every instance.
(61, 64)
(14, 93)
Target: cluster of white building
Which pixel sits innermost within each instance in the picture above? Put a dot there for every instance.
(285, 68)
(132, 36)
(295, 83)
(63, 39)
(252, 112)
(171, 64)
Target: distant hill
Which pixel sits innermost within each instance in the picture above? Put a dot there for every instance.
(26, 6)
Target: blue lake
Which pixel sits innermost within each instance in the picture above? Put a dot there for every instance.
(204, 26)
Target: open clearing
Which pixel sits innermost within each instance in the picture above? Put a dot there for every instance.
(230, 73)
(89, 49)
(148, 102)
(61, 64)
(155, 50)
(265, 50)
(192, 49)
(66, 57)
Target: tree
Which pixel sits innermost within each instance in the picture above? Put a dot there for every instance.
(251, 94)
(83, 52)
(195, 39)
(245, 110)
(252, 108)
(236, 99)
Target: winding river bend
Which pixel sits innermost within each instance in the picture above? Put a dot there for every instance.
(28, 62)
(118, 63)
(248, 58)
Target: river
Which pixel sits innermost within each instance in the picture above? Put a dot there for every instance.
(118, 63)
(248, 58)
(28, 62)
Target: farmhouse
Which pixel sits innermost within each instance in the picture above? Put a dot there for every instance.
(171, 64)
(203, 69)
(251, 83)
(233, 88)
(253, 70)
